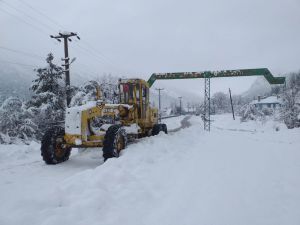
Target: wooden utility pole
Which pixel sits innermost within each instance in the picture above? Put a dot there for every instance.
(231, 104)
(159, 105)
(66, 36)
(180, 105)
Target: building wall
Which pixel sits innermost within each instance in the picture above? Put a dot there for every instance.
(267, 105)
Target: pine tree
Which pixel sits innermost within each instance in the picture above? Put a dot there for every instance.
(48, 102)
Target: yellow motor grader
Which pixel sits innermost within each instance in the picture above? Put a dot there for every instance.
(98, 124)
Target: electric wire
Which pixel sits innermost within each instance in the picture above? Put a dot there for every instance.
(97, 56)
(24, 21)
(26, 14)
(21, 52)
(87, 69)
(17, 63)
(88, 48)
(42, 14)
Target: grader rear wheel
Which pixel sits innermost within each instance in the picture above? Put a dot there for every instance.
(53, 149)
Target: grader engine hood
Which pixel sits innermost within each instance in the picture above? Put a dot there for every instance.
(92, 118)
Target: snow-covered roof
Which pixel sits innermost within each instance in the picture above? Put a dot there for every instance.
(268, 100)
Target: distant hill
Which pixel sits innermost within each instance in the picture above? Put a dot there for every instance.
(15, 81)
(170, 97)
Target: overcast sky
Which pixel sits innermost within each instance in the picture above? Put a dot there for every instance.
(135, 38)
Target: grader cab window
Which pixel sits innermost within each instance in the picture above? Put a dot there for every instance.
(126, 93)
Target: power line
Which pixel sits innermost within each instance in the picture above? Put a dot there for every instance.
(97, 56)
(42, 14)
(26, 14)
(21, 52)
(97, 53)
(86, 51)
(17, 63)
(24, 21)
(86, 68)
(57, 24)
(90, 49)
(93, 56)
(82, 73)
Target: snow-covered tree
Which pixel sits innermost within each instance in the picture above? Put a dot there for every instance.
(48, 102)
(220, 103)
(108, 87)
(276, 90)
(16, 122)
(86, 92)
(291, 101)
(250, 112)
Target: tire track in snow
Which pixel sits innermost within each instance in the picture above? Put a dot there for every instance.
(185, 123)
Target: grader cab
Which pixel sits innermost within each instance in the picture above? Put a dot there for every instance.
(99, 124)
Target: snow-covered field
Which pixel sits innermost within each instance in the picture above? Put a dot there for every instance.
(236, 174)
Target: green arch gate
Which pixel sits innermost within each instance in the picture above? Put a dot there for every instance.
(214, 74)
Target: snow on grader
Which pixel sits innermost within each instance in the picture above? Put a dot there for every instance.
(98, 124)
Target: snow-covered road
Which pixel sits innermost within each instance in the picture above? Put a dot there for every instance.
(188, 177)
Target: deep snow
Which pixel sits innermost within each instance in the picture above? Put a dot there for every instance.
(237, 174)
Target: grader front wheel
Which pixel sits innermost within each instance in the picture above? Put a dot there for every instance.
(115, 141)
(53, 149)
(157, 128)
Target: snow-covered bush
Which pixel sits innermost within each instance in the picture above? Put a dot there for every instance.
(4, 139)
(250, 112)
(290, 110)
(16, 122)
(267, 111)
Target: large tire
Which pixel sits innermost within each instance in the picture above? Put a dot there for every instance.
(53, 149)
(115, 140)
(164, 128)
(158, 128)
